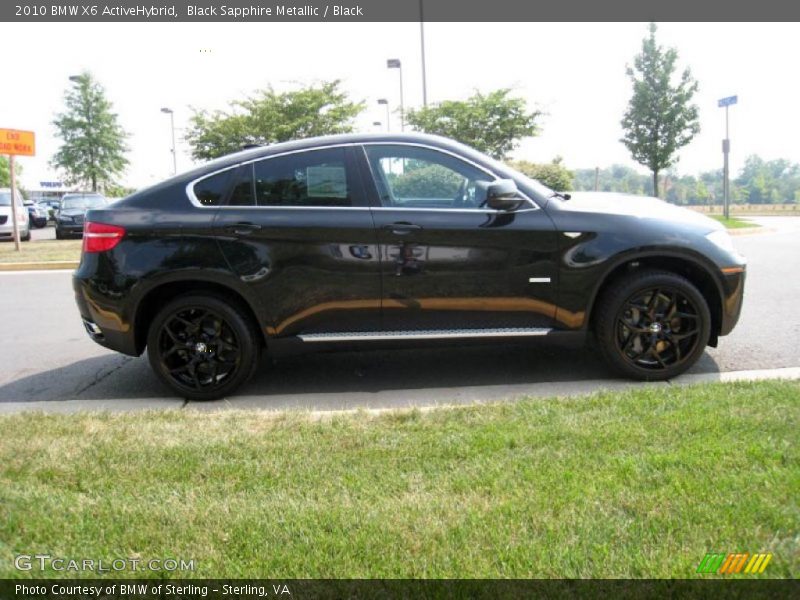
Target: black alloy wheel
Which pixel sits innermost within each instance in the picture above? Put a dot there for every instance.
(653, 325)
(202, 346)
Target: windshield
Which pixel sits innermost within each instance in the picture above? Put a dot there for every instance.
(5, 199)
(83, 202)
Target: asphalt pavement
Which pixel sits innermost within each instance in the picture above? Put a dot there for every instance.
(46, 356)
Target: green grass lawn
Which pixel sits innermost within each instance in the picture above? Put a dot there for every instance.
(41, 251)
(733, 222)
(636, 484)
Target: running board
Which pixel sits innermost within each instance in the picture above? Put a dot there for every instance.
(430, 334)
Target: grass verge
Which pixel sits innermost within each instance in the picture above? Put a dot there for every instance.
(733, 222)
(635, 484)
(41, 251)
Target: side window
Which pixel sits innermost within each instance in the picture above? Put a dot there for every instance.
(413, 177)
(243, 193)
(211, 191)
(312, 178)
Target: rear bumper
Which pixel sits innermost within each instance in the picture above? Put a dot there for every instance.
(102, 322)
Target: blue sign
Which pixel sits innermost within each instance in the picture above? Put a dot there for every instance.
(728, 101)
(50, 184)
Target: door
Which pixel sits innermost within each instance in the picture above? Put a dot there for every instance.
(297, 229)
(447, 261)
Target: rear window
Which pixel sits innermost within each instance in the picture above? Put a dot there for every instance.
(212, 191)
(316, 178)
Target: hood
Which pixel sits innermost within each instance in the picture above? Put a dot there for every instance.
(644, 207)
(72, 212)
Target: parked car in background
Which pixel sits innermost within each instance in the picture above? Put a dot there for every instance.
(37, 214)
(69, 217)
(394, 239)
(51, 206)
(6, 220)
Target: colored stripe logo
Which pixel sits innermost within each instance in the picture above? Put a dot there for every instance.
(733, 563)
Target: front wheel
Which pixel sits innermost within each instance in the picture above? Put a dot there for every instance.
(652, 325)
(203, 346)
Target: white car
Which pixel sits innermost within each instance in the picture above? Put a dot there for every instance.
(6, 220)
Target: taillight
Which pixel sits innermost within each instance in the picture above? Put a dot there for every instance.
(99, 237)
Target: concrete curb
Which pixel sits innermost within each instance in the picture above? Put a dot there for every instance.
(365, 402)
(51, 265)
(750, 230)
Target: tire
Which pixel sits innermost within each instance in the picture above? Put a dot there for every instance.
(26, 237)
(230, 346)
(59, 235)
(636, 334)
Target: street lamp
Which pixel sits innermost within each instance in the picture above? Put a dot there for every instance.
(726, 148)
(377, 124)
(74, 78)
(394, 63)
(386, 102)
(171, 114)
(422, 48)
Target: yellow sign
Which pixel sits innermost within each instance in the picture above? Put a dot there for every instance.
(13, 141)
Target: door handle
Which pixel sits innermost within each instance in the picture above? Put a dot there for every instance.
(402, 228)
(243, 228)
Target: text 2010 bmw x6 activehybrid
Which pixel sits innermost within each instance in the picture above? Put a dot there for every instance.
(365, 238)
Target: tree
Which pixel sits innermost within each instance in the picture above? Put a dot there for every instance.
(660, 118)
(269, 117)
(5, 172)
(492, 123)
(554, 174)
(93, 148)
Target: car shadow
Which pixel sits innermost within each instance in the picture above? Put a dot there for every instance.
(303, 380)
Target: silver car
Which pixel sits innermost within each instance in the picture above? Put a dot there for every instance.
(6, 219)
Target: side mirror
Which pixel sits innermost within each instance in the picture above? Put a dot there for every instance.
(503, 195)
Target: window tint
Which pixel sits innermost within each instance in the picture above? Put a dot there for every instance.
(243, 193)
(413, 177)
(313, 178)
(211, 191)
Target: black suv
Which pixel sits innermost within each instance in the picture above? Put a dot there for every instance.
(394, 238)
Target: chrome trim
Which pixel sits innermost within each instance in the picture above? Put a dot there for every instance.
(193, 199)
(572, 234)
(538, 280)
(424, 335)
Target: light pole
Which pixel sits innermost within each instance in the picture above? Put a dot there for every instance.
(726, 148)
(171, 114)
(394, 63)
(422, 48)
(386, 102)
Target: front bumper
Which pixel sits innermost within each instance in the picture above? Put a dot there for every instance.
(7, 230)
(732, 300)
(69, 228)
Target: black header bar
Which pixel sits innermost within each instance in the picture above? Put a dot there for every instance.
(397, 10)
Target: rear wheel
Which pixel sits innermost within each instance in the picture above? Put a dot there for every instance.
(652, 325)
(202, 346)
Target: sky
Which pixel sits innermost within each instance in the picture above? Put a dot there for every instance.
(574, 72)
